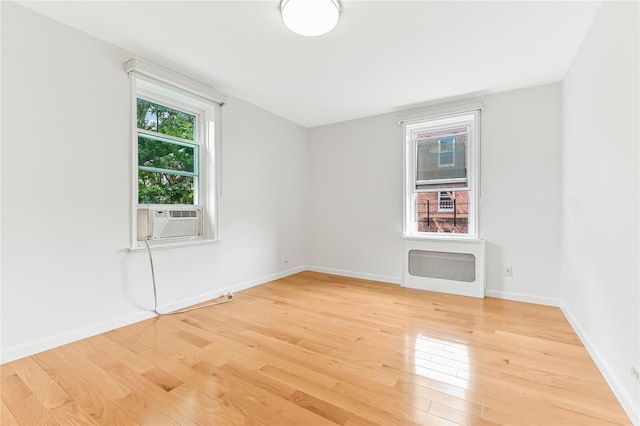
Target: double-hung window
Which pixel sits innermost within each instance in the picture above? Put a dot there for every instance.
(169, 147)
(441, 175)
(175, 157)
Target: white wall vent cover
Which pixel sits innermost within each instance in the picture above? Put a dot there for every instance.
(455, 267)
(168, 223)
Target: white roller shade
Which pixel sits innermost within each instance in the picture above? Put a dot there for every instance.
(165, 76)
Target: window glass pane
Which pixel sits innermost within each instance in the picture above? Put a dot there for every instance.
(164, 154)
(441, 158)
(165, 120)
(164, 188)
(443, 212)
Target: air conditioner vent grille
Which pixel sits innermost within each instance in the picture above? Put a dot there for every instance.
(183, 213)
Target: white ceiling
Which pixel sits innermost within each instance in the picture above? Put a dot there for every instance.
(383, 55)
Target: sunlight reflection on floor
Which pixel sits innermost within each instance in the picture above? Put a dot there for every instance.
(441, 360)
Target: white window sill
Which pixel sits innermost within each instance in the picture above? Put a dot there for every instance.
(442, 238)
(157, 245)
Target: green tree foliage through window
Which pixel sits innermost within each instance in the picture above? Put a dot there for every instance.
(167, 166)
(165, 120)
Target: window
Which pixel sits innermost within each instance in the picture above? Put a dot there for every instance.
(168, 154)
(446, 201)
(446, 152)
(174, 156)
(441, 165)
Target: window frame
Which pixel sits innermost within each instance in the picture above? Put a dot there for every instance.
(432, 121)
(207, 133)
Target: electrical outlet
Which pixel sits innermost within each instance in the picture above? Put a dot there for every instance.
(508, 271)
(635, 372)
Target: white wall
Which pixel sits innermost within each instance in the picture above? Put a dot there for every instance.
(66, 272)
(521, 200)
(600, 204)
(356, 201)
(356, 207)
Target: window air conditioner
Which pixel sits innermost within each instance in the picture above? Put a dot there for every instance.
(168, 223)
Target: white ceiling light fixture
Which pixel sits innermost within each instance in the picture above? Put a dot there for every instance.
(310, 17)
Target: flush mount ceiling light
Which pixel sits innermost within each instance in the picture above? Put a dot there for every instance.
(310, 17)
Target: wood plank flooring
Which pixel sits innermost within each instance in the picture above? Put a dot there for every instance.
(317, 349)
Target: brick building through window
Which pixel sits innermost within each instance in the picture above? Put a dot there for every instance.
(443, 212)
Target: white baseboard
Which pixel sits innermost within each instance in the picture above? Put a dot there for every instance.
(521, 297)
(624, 398)
(230, 289)
(353, 274)
(12, 354)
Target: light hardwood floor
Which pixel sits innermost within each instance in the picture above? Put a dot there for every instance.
(316, 349)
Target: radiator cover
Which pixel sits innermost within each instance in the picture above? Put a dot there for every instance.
(455, 267)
